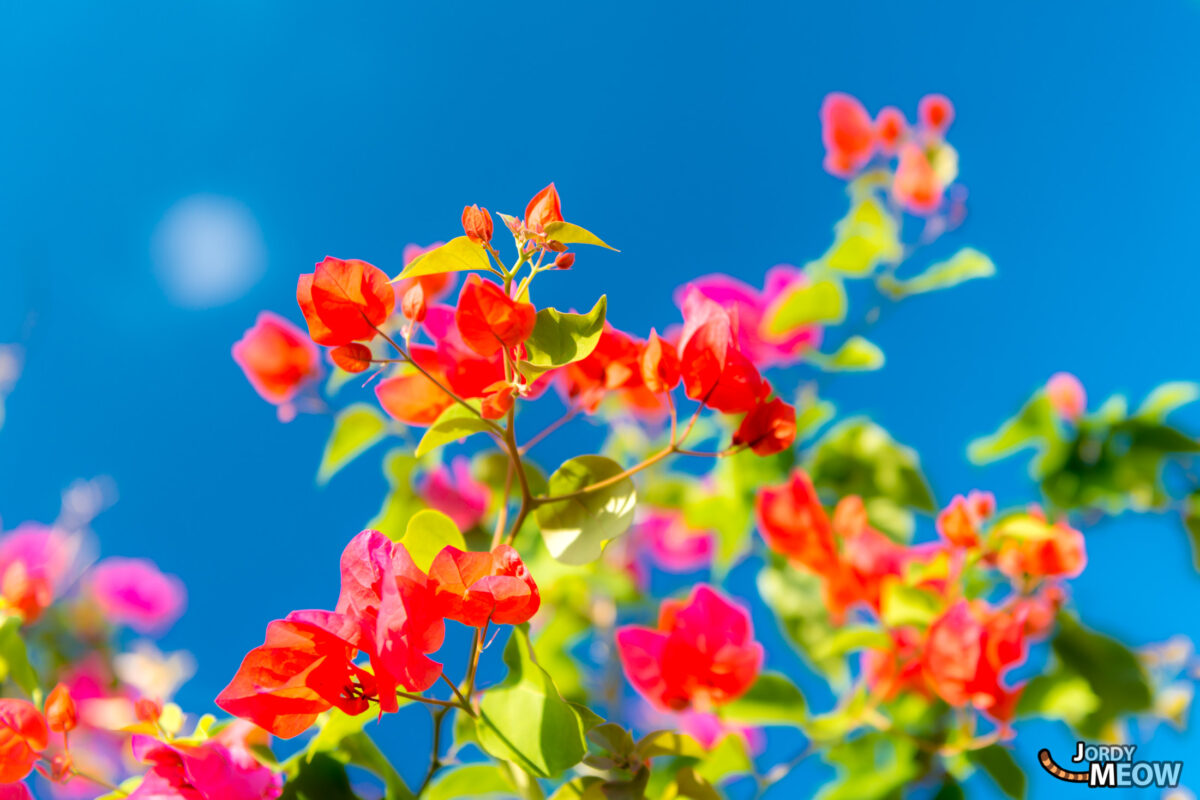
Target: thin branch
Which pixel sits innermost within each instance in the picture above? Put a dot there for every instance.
(551, 428)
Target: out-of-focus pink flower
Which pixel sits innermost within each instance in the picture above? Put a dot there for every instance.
(848, 134)
(916, 186)
(133, 592)
(706, 728)
(1067, 396)
(456, 493)
(666, 538)
(749, 305)
(936, 112)
(35, 563)
(15, 791)
(208, 771)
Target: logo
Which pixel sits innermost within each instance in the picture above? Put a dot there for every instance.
(1112, 766)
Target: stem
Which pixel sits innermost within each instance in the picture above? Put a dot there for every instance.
(551, 428)
(428, 700)
(435, 757)
(434, 380)
(461, 698)
(502, 515)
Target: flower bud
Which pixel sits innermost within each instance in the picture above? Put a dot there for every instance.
(147, 710)
(413, 304)
(564, 260)
(61, 714)
(477, 223)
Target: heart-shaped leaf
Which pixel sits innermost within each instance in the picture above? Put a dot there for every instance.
(459, 254)
(453, 424)
(355, 430)
(559, 338)
(429, 531)
(576, 529)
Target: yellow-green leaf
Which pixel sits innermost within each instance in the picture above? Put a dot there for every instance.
(428, 532)
(821, 302)
(570, 233)
(355, 430)
(867, 236)
(907, 605)
(559, 339)
(459, 254)
(857, 354)
(453, 424)
(576, 529)
(14, 658)
(967, 264)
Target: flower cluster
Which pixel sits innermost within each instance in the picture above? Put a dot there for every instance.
(391, 611)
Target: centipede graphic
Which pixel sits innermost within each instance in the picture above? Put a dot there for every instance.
(1054, 769)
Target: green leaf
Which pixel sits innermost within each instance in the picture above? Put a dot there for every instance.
(559, 339)
(14, 658)
(459, 254)
(569, 233)
(576, 529)
(851, 638)
(361, 751)
(322, 778)
(401, 502)
(691, 784)
(669, 743)
(1191, 523)
(967, 264)
(871, 767)
(798, 601)
(857, 354)
(526, 720)
(355, 430)
(342, 738)
(1033, 426)
(861, 458)
(471, 780)
(728, 758)
(1058, 695)
(1113, 672)
(1168, 397)
(336, 727)
(427, 533)
(820, 302)
(999, 763)
(865, 237)
(772, 700)
(451, 425)
(907, 605)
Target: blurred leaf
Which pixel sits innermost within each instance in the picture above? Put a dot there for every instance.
(669, 743)
(1033, 426)
(612, 738)
(576, 530)
(902, 605)
(355, 430)
(457, 255)
(864, 238)
(963, 266)
(361, 751)
(342, 738)
(1168, 397)
(855, 355)
(853, 637)
(871, 767)
(691, 784)
(569, 233)
(1000, 765)
(526, 720)
(820, 302)
(125, 789)
(322, 778)
(470, 780)
(451, 425)
(559, 338)
(429, 531)
(728, 758)
(858, 457)
(587, 788)
(14, 658)
(1191, 523)
(812, 413)
(401, 502)
(1114, 673)
(1058, 695)
(772, 700)
(798, 602)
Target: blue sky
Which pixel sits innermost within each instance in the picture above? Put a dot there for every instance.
(685, 135)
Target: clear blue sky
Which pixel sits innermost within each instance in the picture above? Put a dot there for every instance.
(353, 133)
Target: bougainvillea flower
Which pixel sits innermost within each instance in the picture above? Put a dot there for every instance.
(750, 307)
(15, 791)
(23, 737)
(344, 301)
(300, 671)
(897, 668)
(544, 208)
(967, 650)
(1067, 396)
(794, 523)
(454, 491)
(277, 357)
(959, 523)
(206, 771)
(489, 320)
(935, 112)
(890, 129)
(353, 357)
(385, 591)
(1026, 546)
(659, 364)
(670, 543)
(770, 427)
(35, 562)
(477, 224)
(61, 714)
(412, 303)
(413, 398)
(848, 134)
(133, 592)
(702, 654)
(916, 185)
(613, 365)
(715, 371)
(477, 588)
